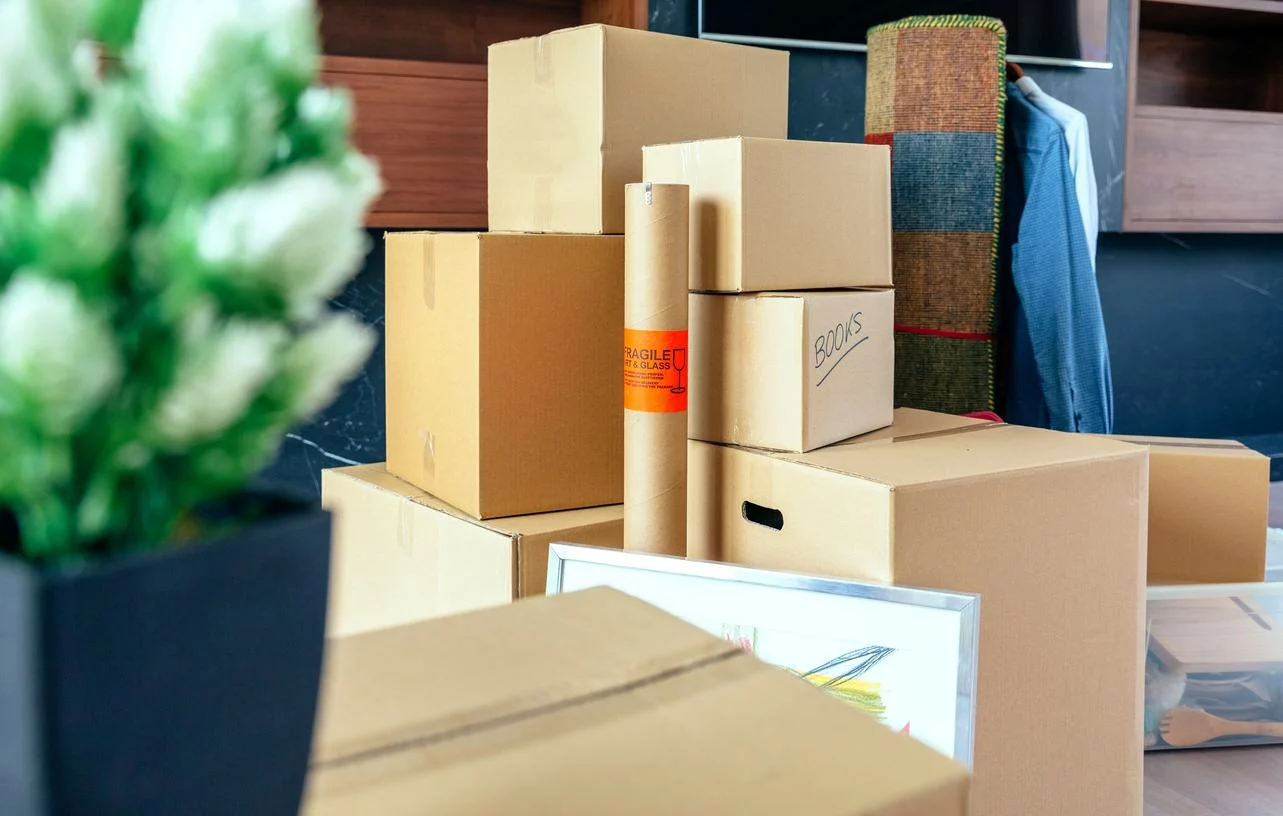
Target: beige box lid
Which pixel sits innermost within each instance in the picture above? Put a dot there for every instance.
(782, 214)
(570, 111)
(503, 393)
(400, 555)
(596, 703)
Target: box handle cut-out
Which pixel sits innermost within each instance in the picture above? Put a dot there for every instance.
(765, 516)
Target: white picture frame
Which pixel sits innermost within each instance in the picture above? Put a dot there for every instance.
(907, 656)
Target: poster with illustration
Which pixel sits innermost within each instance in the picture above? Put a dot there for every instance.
(904, 656)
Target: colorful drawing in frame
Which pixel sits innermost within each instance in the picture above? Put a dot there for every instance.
(905, 656)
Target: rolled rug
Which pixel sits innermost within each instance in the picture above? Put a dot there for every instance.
(936, 95)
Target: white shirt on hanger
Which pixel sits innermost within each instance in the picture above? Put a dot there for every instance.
(1074, 123)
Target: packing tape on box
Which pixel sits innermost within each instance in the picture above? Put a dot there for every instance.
(429, 444)
(884, 440)
(543, 61)
(542, 203)
(987, 426)
(405, 528)
(1225, 445)
(430, 274)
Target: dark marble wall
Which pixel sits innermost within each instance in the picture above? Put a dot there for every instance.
(1195, 332)
(1195, 322)
(351, 430)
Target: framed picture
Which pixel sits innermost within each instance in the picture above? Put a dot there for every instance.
(905, 656)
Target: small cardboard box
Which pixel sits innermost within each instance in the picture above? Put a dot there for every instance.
(401, 556)
(777, 214)
(1047, 528)
(595, 703)
(791, 371)
(570, 111)
(1209, 508)
(503, 373)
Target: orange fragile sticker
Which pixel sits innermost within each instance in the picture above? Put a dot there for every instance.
(655, 371)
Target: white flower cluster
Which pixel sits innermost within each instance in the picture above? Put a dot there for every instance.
(35, 78)
(171, 230)
(61, 352)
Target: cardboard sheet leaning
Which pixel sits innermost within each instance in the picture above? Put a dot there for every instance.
(656, 231)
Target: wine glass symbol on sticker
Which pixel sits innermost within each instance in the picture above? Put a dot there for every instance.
(679, 364)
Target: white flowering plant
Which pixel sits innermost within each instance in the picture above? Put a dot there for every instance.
(179, 200)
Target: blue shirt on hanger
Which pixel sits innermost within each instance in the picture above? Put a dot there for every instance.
(1058, 375)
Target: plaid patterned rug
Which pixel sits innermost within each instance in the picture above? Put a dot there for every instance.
(936, 95)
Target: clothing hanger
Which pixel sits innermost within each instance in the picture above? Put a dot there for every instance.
(1014, 71)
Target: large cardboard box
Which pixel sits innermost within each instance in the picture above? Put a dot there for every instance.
(400, 556)
(503, 381)
(595, 703)
(570, 112)
(776, 214)
(1209, 508)
(1048, 528)
(791, 371)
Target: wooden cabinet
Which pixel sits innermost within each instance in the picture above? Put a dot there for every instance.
(425, 122)
(1205, 117)
(1202, 170)
(416, 69)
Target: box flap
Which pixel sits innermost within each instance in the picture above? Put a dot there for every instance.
(376, 475)
(1196, 447)
(941, 450)
(912, 422)
(593, 703)
(565, 521)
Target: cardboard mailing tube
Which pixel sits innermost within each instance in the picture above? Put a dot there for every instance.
(656, 236)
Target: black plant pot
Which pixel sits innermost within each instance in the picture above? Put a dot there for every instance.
(179, 682)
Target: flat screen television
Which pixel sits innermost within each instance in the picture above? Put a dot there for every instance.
(1054, 32)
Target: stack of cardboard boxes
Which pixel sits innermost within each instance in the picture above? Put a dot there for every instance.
(504, 386)
(787, 352)
(505, 415)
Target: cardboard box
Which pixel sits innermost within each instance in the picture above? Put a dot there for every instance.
(570, 111)
(775, 214)
(595, 703)
(400, 556)
(791, 371)
(1209, 508)
(503, 377)
(1047, 528)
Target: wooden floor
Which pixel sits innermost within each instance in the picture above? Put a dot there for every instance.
(1218, 781)
(1215, 782)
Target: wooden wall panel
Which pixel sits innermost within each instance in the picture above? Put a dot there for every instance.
(1205, 171)
(624, 13)
(426, 125)
(437, 30)
(417, 70)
